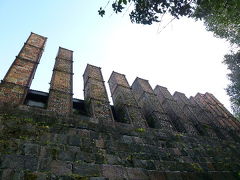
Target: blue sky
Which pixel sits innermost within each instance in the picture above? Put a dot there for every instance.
(183, 57)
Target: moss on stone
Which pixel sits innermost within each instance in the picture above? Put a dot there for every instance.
(8, 146)
(140, 130)
(30, 176)
(78, 177)
(54, 153)
(17, 126)
(197, 167)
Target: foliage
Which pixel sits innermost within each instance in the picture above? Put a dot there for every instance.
(213, 12)
(148, 11)
(233, 90)
(222, 17)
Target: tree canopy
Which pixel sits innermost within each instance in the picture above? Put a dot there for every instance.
(233, 63)
(148, 11)
(222, 17)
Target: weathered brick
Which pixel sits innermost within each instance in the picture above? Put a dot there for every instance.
(60, 95)
(95, 95)
(151, 107)
(126, 106)
(19, 77)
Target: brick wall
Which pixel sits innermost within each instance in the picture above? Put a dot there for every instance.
(19, 77)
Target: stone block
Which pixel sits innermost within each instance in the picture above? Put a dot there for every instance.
(94, 135)
(146, 164)
(30, 163)
(174, 175)
(157, 175)
(114, 172)
(60, 168)
(84, 133)
(7, 174)
(45, 152)
(74, 140)
(11, 174)
(28, 175)
(127, 139)
(98, 178)
(66, 155)
(12, 161)
(137, 174)
(137, 140)
(85, 157)
(31, 149)
(86, 169)
(113, 160)
(88, 143)
(44, 164)
(18, 175)
(188, 176)
(207, 166)
(60, 139)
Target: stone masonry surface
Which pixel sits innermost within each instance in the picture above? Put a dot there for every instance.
(19, 76)
(60, 95)
(126, 105)
(154, 135)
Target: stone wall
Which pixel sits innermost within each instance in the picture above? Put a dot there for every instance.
(37, 144)
(154, 136)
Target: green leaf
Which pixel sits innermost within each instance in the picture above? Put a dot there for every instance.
(101, 12)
